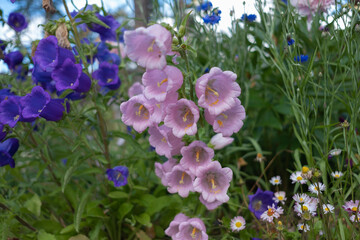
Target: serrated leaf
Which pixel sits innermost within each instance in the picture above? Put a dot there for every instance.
(117, 195)
(80, 209)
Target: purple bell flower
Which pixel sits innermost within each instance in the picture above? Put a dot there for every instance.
(2, 45)
(10, 111)
(13, 59)
(7, 150)
(70, 76)
(259, 202)
(118, 175)
(4, 93)
(49, 55)
(104, 55)
(2, 132)
(106, 33)
(35, 102)
(39, 75)
(107, 75)
(54, 110)
(17, 21)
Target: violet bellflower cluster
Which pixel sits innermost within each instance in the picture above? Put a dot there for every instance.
(156, 105)
(184, 228)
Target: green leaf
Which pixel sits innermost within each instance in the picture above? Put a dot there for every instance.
(67, 229)
(90, 17)
(79, 237)
(80, 209)
(144, 219)
(34, 205)
(124, 209)
(117, 194)
(67, 177)
(184, 21)
(268, 119)
(42, 235)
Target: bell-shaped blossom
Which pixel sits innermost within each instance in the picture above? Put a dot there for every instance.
(160, 107)
(229, 121)
(10, 111)
(259, 202)
(13, 59)
(54, 110)
(103, 54)
(213, 182)
(210, 205)
(148, 46)
(219, 141)
(196, 155)
(180, 180)
(39, 75)
(164, 141)
(182, 117)
(193, 228)
(309, 8)
(162, 169)
(70, 76)
(136, 89)
(173, 228)
(136, 113)
(159, 83)
(217, 90)
(35, 102)
(118, 175)
(107, 75)
(7, 150)
(17, 21)
(2, 132)
(49, 54)
(104, 32)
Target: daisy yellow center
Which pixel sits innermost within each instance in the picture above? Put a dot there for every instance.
(327, 209)
(276, 181)
(305, 169)
(354, 209)
(162, 82)
(337, 175)
(299, 178)
(151, 47)
(302, 226)
(238, 224)
(182, 178)
(301, 199)
(305, 208)
(316, 188)
(270, 212)
(259, 155)
(280, 198)
(280, 223)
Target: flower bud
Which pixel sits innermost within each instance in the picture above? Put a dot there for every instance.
(182, 30)
(62, 36)
(48, 6)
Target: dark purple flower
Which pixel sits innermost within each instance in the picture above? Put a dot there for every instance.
(82, 26)
(13, 1)
(259, 202)
(5, 93)
(17, 21)
(39, 75)
(106, 33)
(7, 150)
(211, 19)
(70, 76)
(50, 55)
(301, 58)
(290, 41)
(118, 175)
(248, 18)
(107, 75)
(104, 55)
(2, 132)
(21, 71)
(54, 110)
(10, 111)
(35, 102)
(2, 45)
(13, 59)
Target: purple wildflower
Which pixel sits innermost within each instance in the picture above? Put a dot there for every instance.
(193, 228)
(173, 228)
(259, 202)
(34, 103)
(136, 89)
(13, 59)
(196, 155)
(107, 76)
(162, 169)
(17, 21)
(7, 150)
(104, 32)
(180, 180)
(118, 175)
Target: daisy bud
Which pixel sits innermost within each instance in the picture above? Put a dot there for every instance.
(48, 5)
(62, 35)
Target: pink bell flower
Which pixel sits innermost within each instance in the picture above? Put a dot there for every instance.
(195, 155)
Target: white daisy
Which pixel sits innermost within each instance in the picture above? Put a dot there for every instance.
(335, 152)
(237, 224)
(301, 198)
(317, 188)
(337, 174)
(275, 180)
(259, 158)
(328, 208)
(296, 177)
(355, 218)
(279, 197)
(307, 207)
(303, 227)
(272, 213)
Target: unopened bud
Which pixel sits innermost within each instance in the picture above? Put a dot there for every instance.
(182, 30)
(62, 36)
(48, 6)
(175, 41)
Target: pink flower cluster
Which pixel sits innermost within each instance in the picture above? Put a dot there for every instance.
(185, 228)
(155, 104)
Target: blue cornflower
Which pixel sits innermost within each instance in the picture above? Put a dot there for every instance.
(301, 58)
(7, 150)
(290, 41)
(211, 19)
(249, 18)
(17, 21)
(259, 202)
(118, 175)
(204, 6)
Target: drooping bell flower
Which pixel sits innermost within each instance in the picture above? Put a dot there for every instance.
(259, 202)
(2, 45)
(182, 117)
(7, 150)
(13, 59)
(229, 121)
(2, 132)
(148, 46)
(213, 182)
(136, 113)
(210, 205)
(196, 155)
(39, 75)
(54, 110)
(193, 228)
(17, 21)
(34, 103)
(162, 169)
(104, 32)
(180, 180)
(159, 83)
(164, 141)
(70, 76)
(49, 54)
(217, 90)
(136, 89)
(219, 141)
(118, 175)
(160, 107)
(5, 93)
(10, 111)
(173, 228)
(104, 55)
(107, 75)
